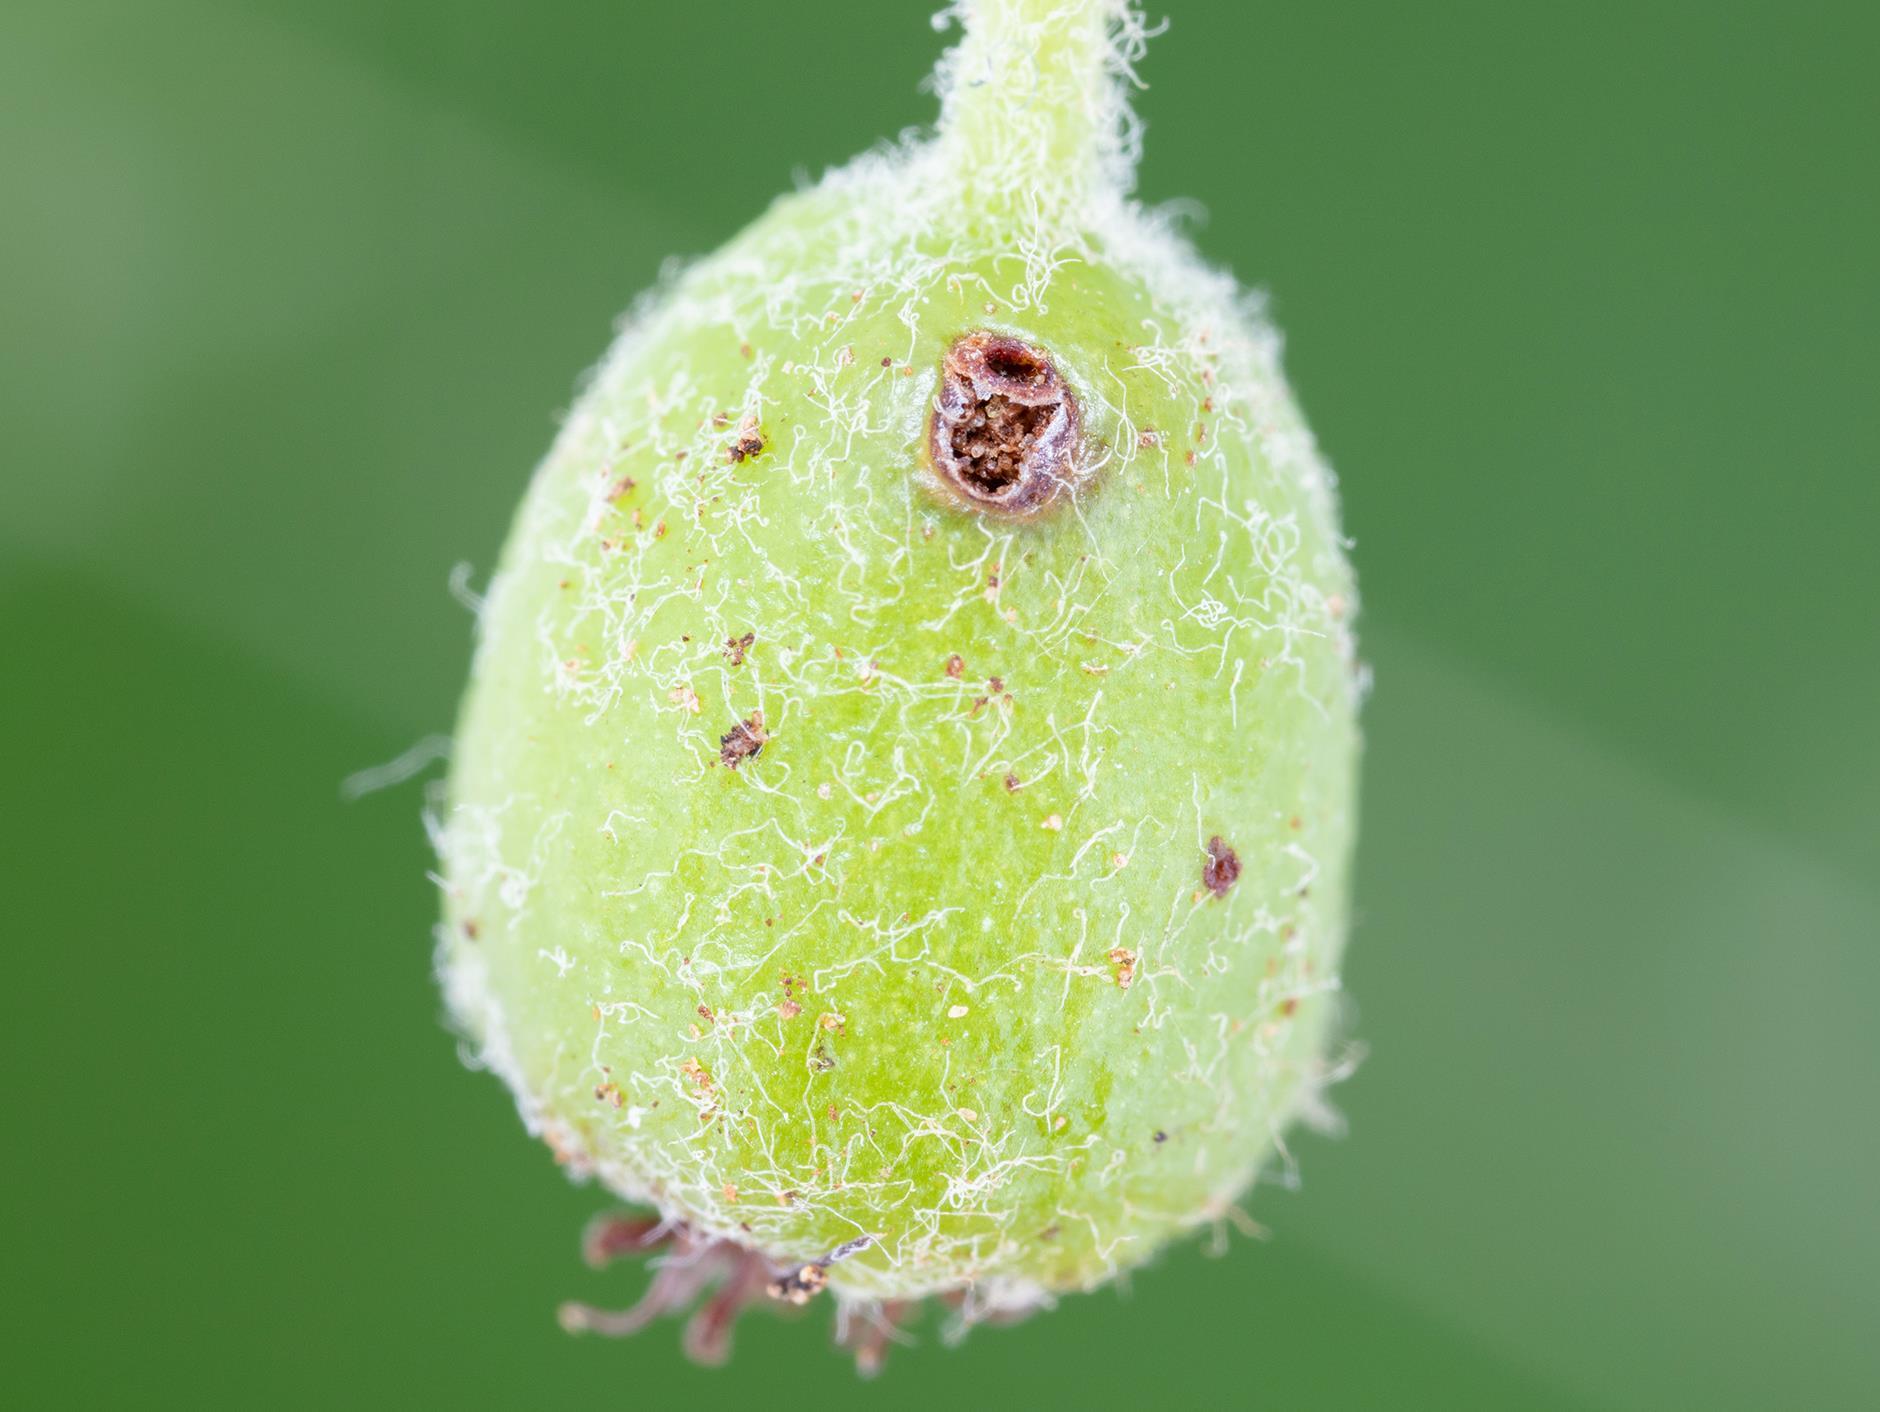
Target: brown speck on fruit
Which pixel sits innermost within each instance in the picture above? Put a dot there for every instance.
(749, 441)
(956, 666)
(1013, 784)
(1005, 430)
(1124, 960)
(743, 741)
(736, 648)
(1222, 870)
(1160, 1136)
(789, 1009)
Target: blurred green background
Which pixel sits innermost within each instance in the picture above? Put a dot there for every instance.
(1582, 301)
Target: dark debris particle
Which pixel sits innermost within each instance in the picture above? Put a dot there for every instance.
(1160, 1136)
(799, 1286)
(736, 648)
(1006, 430)
(749, 441)
(1222, 870)
(743, 741)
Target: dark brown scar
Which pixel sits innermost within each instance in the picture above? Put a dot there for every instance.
(1222, 870)
(1006, 432)
(745, 739)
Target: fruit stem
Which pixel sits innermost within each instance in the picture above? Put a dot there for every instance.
(1032, 97)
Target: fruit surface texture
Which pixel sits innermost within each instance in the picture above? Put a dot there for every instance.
(904, 799)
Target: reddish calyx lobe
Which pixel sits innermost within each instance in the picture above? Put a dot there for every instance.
(1005, 429)
(711, 1283)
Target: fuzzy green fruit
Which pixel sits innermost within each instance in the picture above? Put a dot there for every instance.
(904, 799)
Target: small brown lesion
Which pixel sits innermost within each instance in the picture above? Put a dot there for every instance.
(1222, 868)
(1006, 431)
(744, 741)
(749, 441)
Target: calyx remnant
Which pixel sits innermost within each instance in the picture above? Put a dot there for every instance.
(1005, 429)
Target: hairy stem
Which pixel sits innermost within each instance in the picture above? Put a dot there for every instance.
(1032, 98)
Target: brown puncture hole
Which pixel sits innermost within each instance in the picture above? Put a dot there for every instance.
(744, 740)
(1222, 870)
(1005, 428)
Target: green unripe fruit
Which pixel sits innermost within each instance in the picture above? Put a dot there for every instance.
(903, 804)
